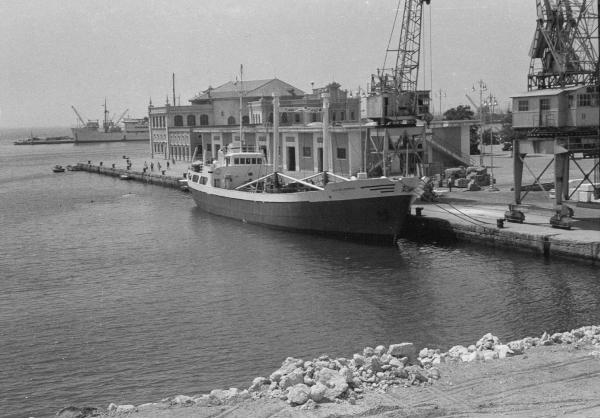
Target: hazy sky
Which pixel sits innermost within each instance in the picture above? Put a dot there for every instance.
(62, 53)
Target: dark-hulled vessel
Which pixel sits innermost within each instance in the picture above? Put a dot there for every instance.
(240, 185)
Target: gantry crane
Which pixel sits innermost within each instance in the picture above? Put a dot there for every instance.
(563, 89)
(393, 95)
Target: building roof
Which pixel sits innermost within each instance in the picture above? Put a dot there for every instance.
(249, 88)
(547, 92)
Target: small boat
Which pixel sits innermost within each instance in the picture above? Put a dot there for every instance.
(126, 176)
(58, 168)
(76, 167)
(183, 185)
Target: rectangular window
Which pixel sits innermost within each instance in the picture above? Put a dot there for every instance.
(544, 104)
(307, 152)
(209, 147)
(341, 153)
(297, 118)
(571, 101)
(523, 105)
(203, 180)
(584, 100)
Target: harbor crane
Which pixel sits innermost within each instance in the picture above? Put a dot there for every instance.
(393, 95)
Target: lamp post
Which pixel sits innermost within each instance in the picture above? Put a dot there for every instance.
(482, 88)
(363, 152)
(439, 94)
(492, 103)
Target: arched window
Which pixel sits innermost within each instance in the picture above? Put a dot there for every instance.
(284, 118)
(203, 119)
(352, 115)
(245, 120)
(231, 120)
(333, 116)
(343, 115)
(313, 117)
(297, 117)
(191, 120)
(178, 120)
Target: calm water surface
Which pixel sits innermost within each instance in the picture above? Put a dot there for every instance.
(116, 291)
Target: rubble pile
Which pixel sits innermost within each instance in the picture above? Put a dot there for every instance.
(305, 384)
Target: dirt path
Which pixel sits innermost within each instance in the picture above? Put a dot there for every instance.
(547, 381)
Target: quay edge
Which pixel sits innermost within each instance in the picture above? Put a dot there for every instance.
(440, 226)
(148, 177)
(538, 239)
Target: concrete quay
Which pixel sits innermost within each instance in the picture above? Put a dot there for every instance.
(458, 214)
(472, 216)
(150, 177)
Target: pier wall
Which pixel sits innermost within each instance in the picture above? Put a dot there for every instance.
(147, 177)
(420, 227)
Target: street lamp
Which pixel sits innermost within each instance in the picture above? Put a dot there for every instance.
(492, 103)
(361, 93)
(482, 88)
(439, 94)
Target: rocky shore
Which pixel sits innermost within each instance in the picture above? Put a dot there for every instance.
(353, 386)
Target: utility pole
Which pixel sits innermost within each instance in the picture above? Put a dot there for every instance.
(482, 88)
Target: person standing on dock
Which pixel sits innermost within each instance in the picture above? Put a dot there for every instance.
(167, 165)
(151, 166)
(158, 165)
(449, 184)
(173, 160)
(145, 165)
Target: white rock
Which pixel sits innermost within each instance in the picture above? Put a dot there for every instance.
(359, 360)
(112, 407)
(380, 350)
(182, 399)
(294, 378)
(402, 350)
(317, 392)
(423, 352)
(125, 408)
(298, 394)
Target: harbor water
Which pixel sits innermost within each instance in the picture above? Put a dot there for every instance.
(116, 291)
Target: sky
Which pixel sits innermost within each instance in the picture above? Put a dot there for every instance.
(62, 53)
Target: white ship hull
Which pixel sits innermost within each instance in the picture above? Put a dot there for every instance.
(87, 135)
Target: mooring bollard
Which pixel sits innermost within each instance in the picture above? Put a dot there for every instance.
(418, 210)
(500, 223)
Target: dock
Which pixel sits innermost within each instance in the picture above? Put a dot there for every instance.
(461, 215)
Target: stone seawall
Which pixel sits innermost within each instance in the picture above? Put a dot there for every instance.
(147, 177)
(419, 227)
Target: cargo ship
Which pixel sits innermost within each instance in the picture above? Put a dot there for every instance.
(121, 129)
(241, 185)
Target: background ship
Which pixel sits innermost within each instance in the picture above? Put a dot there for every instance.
(112, 130)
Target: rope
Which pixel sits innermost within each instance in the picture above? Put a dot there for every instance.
(391, 34)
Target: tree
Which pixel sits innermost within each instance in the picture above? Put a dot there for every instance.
(507, 132)
(459, 113)
(489, 135)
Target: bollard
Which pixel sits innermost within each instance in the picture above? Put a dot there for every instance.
(418, 210)
(500, 223)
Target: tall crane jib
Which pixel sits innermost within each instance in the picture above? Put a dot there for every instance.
(563, 52)
(393, 94)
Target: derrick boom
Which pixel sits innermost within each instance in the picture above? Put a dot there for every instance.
(393, 94)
